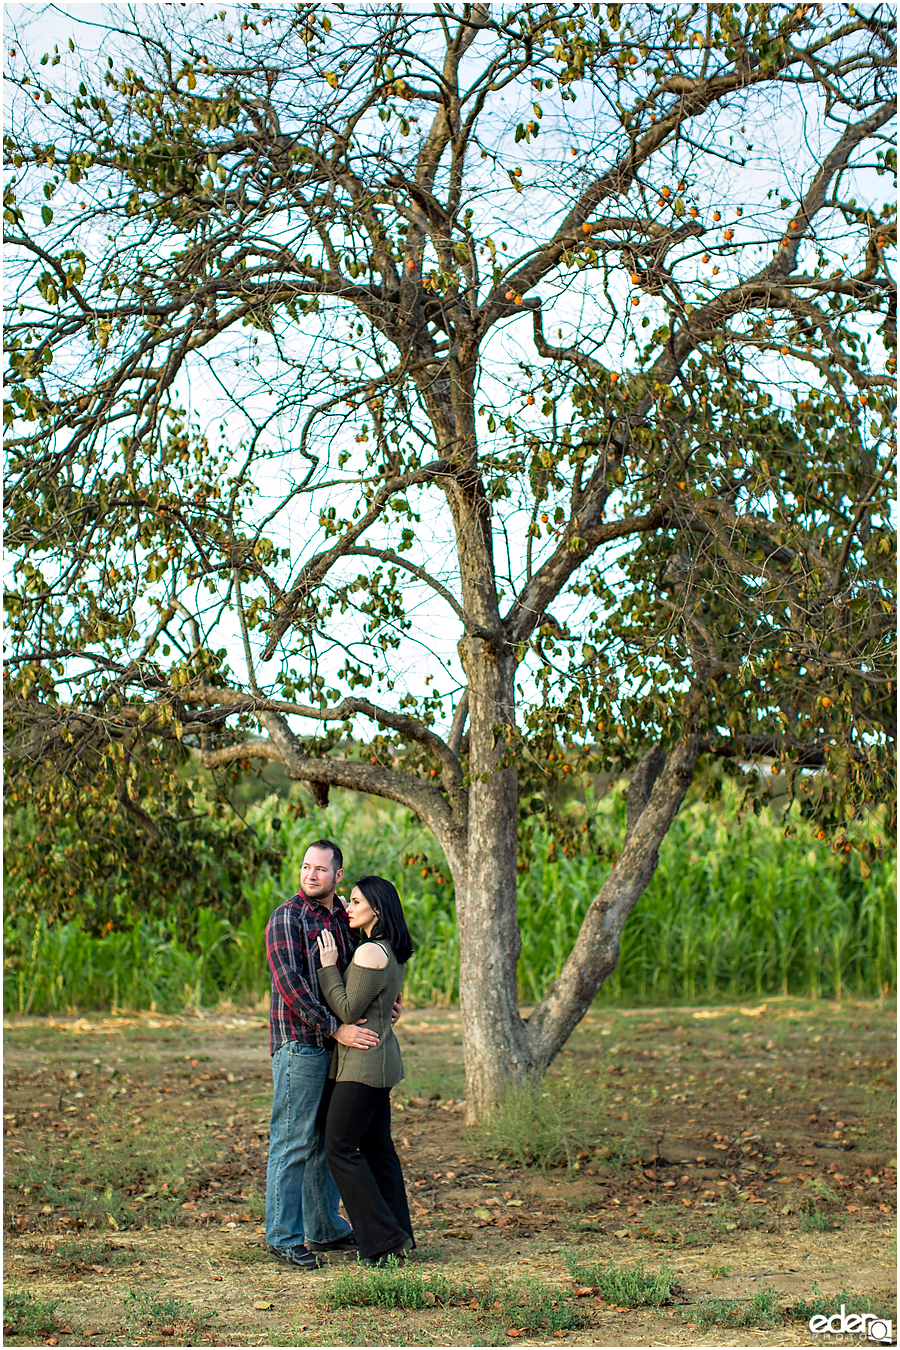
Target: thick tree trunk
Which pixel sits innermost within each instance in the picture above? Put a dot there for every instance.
(494, 1035)
(658, 788)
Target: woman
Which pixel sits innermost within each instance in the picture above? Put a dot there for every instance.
(358, 1142)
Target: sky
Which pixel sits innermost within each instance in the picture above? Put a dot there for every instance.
(432, 652)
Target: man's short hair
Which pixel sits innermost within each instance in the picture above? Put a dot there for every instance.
(336, 853)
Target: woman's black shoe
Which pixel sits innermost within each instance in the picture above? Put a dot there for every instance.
(396, 1254)
(347, 1243)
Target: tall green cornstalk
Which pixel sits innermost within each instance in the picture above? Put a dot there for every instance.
(735, 910)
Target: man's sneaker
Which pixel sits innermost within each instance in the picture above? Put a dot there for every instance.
(347, 1243)
(295, 1256)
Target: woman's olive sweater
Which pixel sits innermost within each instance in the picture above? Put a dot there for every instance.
(370, 994)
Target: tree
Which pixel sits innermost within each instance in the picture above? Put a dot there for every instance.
(166, 852)
(561, 336)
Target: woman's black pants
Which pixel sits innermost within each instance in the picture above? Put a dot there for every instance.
(365, 1165)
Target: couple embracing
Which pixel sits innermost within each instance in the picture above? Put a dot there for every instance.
(336, 972)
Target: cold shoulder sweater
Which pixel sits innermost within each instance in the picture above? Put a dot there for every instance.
(371, 994)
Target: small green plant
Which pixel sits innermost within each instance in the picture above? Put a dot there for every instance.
(729, 1218)
(815, 1220)
(664, 1216)
(633, 1288)
(27, 1316)
(821, 1189)
(762, 1310)
(247, 1255)
(394, 1286)
(72, 1253)
(530, 1305)
(144, 1308)
(344, 1329)
(525, 1304)
(826, 1304)
(548, 1124)
(718, 1271)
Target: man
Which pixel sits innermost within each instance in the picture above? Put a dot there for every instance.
(301, 1197)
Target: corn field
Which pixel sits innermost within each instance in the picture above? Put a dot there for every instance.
(735, 910)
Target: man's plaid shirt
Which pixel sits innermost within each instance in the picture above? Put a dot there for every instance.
(298, 1012)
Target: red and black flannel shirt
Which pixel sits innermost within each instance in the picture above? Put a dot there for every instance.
(298, 1012)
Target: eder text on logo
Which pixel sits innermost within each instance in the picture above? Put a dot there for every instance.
(870, 1324)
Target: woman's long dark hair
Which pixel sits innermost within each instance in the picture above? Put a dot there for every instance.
(391, 925)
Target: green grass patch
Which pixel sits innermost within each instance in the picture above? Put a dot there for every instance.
(735, 909)
(531, 1306)
(346, 1328)
(152, 1311)
(248, 1255)
(822, 1305)
(393, 1286)
(548, 1124)
(633, 1287)
(72, 1254)
(814, 1216)
(815, 1220)
(113, 1168)
(26, 1316)
(762, 1310)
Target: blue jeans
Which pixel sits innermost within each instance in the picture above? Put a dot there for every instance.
(301, 1197)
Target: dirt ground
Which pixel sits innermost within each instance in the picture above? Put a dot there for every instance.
(763, 1157)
